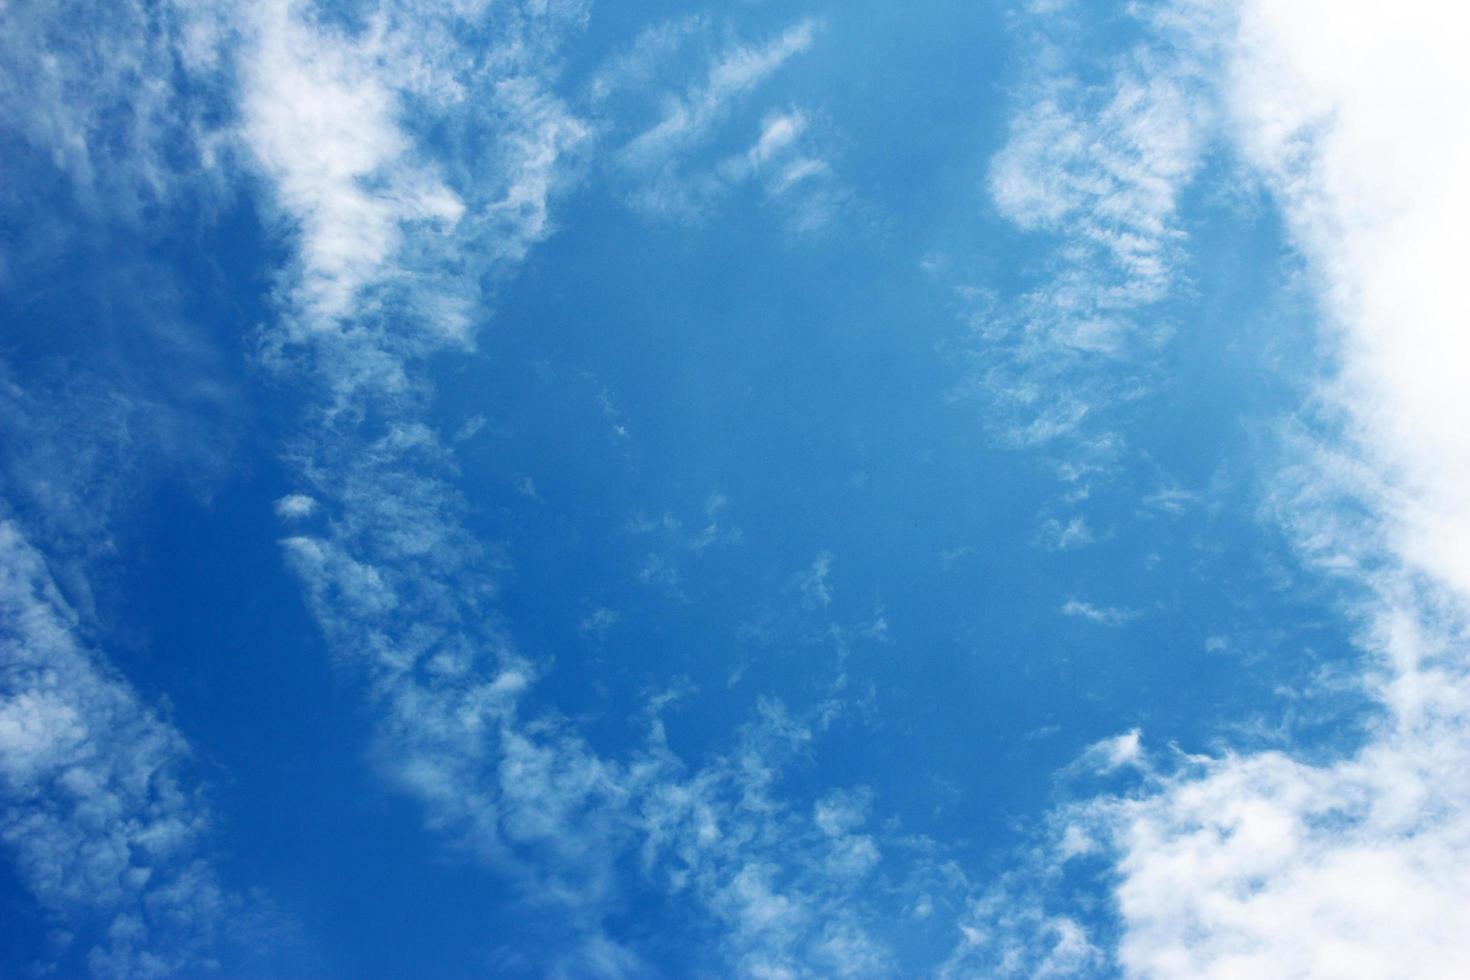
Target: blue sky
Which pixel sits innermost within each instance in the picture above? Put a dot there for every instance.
(555, 489)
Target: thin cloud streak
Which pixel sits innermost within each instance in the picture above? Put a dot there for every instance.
(669, 167)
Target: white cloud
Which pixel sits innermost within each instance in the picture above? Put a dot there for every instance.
(1172, 501)
(79, 453)
(1112, 753)
(391, 239)
(1009, 934)
(1260, 863)
(735, 72)
(321, 118)
(526, 487)
(396, 583)
(97, 100)
(1257, 864)
(1102, 615)
(382, 228)
(103, 814)
(598, 623)
(295, 506)
(674, 539)
(778, 133)
(669, 164)
(1359, 868)
(787, 160)
(816, 591)
(403, 593)
(1101, 169)
(1075, 533)
(638, 66)
(100, 817)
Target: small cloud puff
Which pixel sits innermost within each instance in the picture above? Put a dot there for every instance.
(596, 624)
(1111, 754)
(526, 487)
(295, 506)
(1102, 615)
(1075, 533)
(815, 590)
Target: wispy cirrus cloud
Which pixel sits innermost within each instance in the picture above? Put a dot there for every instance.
(734, 72)
(405, 595)
(1100, 170)
(793, 170)
(95, 92)
(788, 885)
(675, 168)
(401, 591)
(671, 542)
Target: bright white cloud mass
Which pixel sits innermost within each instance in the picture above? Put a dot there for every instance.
(501, 489)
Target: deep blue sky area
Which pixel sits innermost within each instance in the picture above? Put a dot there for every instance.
(740, 439)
